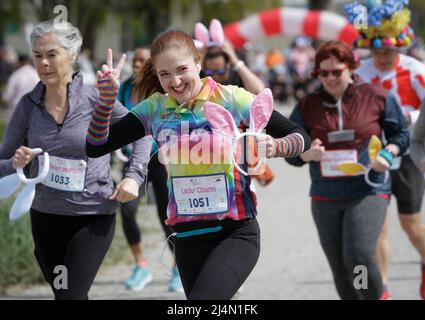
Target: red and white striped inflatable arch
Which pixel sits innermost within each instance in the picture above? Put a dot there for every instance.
(323, 25)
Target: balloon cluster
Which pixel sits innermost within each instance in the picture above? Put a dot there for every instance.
(402, 40)
(387, 23)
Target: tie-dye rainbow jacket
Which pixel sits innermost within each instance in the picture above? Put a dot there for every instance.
(194, 156)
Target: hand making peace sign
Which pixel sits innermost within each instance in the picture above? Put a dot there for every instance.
(108, 72)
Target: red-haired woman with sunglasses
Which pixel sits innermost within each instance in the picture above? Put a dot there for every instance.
(349, 210)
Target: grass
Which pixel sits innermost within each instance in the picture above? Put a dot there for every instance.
(17, 261)
(2, 128)
(18, 266)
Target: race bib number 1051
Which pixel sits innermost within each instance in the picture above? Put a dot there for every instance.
(198, 195)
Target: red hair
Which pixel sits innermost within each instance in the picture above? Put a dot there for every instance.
(337, 49)
(147, 82)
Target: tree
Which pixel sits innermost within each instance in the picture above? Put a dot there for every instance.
(417, 7)
(234, 10)
(10, 11)
(319, 4)
(87, 16)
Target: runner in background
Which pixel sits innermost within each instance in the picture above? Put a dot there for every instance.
(157, 175)
(349, 206)
(404, 76)
(20, 82)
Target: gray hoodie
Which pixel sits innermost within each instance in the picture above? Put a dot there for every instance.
(31, 121)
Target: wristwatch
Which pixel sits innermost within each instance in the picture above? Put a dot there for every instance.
(392, 153)
(238, 65)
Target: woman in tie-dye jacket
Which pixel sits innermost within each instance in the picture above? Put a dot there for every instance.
(211, 207)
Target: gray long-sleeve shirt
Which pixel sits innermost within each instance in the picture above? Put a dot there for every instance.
(32, 121)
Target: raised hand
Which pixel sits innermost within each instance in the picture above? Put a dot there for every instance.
(109, 72)
(228, 49)
(108, 84)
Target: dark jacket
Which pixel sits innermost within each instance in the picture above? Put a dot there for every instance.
(369, 110)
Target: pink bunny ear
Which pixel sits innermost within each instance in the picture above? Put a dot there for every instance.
(216, 32)
(201, 33)
(261, 110)
(220, 118)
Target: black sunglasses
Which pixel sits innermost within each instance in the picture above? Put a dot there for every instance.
(335, 72)
(219, 72)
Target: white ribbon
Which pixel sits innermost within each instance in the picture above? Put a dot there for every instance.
(373, 184)
(9, 184)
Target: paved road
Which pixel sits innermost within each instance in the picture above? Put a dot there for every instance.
(291, 265)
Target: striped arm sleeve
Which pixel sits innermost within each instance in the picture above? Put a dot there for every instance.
(98, 131)
(289, 146)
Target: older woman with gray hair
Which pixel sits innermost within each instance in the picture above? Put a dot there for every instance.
(73, 211)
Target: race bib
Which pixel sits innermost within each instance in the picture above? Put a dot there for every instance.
(199, 195)
(331, 159)
(65, 174)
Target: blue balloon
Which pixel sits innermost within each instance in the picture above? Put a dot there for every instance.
(377, 43)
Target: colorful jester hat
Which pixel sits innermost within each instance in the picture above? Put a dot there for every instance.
(381, 24)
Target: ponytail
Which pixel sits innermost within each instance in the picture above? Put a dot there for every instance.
(146, 82)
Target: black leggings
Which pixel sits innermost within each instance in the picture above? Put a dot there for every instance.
(77, 242)
(213, 266)
(158, 176)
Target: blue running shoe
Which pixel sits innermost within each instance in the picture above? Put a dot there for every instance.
(139, 279)
(175, 284)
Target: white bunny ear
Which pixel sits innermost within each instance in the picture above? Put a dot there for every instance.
(23, 202)
(201, 33)
(198, 44)
(8, 185)
(261, 110)
(216, 32)
(220, 119)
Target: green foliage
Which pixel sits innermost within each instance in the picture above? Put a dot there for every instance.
(234, 10)
(2, 128)
(319, 4)
(17, 262)
(18, 265)
(417, 8)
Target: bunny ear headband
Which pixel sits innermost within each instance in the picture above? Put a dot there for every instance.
(354, 168)
(9, 184)
(222, 121)
(215, 36)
